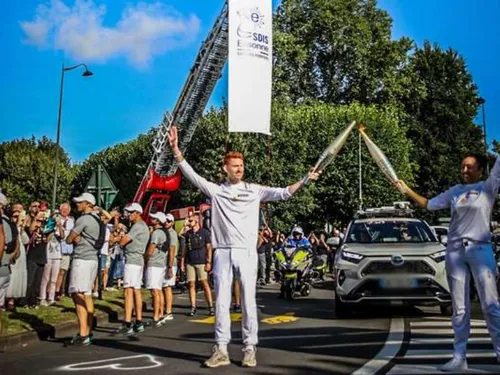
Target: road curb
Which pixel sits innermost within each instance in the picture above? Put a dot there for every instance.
(49, 332)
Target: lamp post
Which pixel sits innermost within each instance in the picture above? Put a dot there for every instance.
(481, 102)
(86, 73)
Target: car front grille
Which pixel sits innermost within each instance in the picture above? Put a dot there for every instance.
(409, 266)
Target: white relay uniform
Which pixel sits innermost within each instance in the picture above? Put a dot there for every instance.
(469, 248)
(235, 226)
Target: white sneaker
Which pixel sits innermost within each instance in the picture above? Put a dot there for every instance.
(95, 294)
(44, 303)
(249, 359)
(456, 364)
(218, 358)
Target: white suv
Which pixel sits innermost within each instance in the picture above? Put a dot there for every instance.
(389, 256)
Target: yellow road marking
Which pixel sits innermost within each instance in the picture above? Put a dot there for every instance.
(236, 317)
(285, 318)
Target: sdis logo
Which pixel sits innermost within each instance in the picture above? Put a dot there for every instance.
(261, 38)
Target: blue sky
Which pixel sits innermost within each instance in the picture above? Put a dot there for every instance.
(141, 52)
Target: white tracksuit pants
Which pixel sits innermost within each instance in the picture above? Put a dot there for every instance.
(242, 262)
(479, 259)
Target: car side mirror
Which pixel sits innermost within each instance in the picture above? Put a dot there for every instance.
(443, 239)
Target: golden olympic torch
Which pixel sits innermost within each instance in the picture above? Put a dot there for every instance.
(380, 158)
(333, 149)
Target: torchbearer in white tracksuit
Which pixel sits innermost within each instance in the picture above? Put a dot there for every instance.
(235, 226)
(469, 250)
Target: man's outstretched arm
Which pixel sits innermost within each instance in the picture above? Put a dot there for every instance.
(268, 194)
(207, 187)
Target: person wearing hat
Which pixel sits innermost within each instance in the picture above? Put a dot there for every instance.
(155, 259)
(134, 243)
(83, 270)
(171, 270)
(235, 226)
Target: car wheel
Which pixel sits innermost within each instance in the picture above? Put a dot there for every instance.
(342, 310)
(446, 310)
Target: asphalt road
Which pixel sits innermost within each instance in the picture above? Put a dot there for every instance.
(296, 337)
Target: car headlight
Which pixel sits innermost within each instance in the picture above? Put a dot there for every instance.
(439, 256)
(351, 257)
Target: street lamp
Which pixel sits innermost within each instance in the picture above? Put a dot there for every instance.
(481, 102)
(86, 73)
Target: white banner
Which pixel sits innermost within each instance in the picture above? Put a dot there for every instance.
(250, 60)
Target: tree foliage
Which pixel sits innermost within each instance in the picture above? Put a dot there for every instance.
(27, 170)
(126, 164)
(442, 122)
(339, 51)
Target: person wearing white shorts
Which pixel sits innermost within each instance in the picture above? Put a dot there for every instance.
(82, 276)
(235, 224)
(84, 236)
(171, 270)
(134, 243)
(156, 255)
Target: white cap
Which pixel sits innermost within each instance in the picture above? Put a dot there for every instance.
(160, 216)
(85, 197)
(170, 217)
(134, 207)
(3, 199)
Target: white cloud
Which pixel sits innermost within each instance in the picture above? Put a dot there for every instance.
(144, 31)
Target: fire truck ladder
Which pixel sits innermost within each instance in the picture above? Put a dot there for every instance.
(192, 101)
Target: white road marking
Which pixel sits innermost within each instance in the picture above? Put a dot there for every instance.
(432, 339)
(447, 340)
(443, 324)
(388, 352)
(119, 363)
(444, 331)
(429, 369)
(447, 353)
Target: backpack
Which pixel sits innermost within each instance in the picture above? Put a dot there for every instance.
(101, 238)
(11, 246)
(166, 245)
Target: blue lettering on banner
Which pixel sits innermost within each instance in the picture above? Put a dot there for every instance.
(251, 42)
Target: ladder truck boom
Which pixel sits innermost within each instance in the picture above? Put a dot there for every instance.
(162, 177)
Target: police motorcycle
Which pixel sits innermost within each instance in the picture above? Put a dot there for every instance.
(294, 266)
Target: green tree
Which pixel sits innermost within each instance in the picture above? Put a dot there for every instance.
(442, 125)
(27, 170)
(339, 51)
(125, 163)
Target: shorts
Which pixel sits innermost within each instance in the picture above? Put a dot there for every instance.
(132, 276)
(65, 262)
(104, 260)
(108, 262)
(154, 277)
(193, 270)
(170, 282)
(82, 276)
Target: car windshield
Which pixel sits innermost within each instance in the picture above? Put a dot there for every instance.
(383, 231)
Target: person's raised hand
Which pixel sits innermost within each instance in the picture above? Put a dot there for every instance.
(173, 138)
